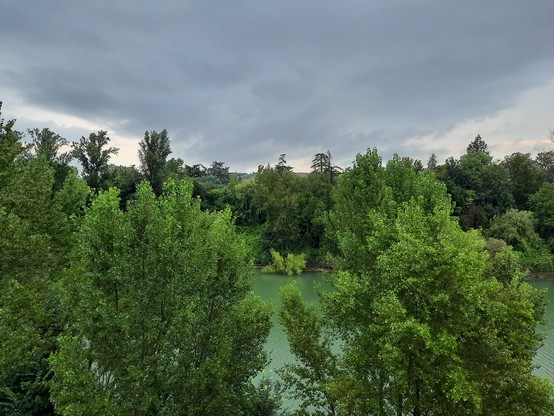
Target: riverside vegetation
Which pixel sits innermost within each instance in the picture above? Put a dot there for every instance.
(122, 290)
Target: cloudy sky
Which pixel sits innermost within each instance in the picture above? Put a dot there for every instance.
(244, 81)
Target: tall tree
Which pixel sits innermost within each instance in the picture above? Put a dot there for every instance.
(320, 163)
(423, 327)
(93, 153)
(10, 148)
(153, 152)
(477, 145)
(545, 160)
(157, 294)
(36, 225)
(432, 163)
(526, 177)
(323, 163)
(220, 172)
(48, 145)
(542, 203)
(281, 165)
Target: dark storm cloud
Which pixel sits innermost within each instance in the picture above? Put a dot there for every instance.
(243, 81)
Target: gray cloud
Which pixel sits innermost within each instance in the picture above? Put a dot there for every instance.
(248, 80)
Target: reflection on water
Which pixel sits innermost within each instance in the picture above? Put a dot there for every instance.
(545, 355)
(267, 286)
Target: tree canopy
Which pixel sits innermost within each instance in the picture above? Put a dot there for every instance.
(423, 328)
(157, 294)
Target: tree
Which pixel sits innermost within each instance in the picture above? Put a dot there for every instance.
(279, 196)
(424, 328)
(322, 163)
(480, 188)
(196, 171)
(545, 160)
(157, 294)
(10, 148)
(36, 224)
(153, 152)
(220, 172)
(542, 204)
(282, 166)
(526, 177)
(432, 163)
(516, 228)
(94, 154)
(477, 145)
(124, 178)
(48, 145)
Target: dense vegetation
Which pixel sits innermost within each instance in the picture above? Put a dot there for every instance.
(122, 289)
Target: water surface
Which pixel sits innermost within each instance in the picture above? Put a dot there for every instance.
(267, 286)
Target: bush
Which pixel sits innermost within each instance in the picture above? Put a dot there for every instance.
(292, 264)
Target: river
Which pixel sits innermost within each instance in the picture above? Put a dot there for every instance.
(267, 285)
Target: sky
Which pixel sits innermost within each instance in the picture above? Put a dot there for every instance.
(244, 81)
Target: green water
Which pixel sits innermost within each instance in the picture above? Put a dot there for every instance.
(545, 355)
(267, 286)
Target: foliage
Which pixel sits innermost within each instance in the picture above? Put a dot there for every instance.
(37, 218)
(311, 377)
(48, 144)
(94, 154)
(322, 163)
(526, 177)
(278, 197)
(516, 228)
(292, 264)
(545, 161)
(266, 397)
(282, 166)
(126, 179)
(220, 172)
(542, 203)
(157, 294)
(432, 163)
(480, 188)
(424, 324)
(153, 152)
(477, 145)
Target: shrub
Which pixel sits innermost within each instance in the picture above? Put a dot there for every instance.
(292, 264)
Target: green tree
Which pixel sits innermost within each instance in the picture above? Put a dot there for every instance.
(94, 154)
(48, 145)
(516, 228)
(480, 188)
(545, 160)
(153, 152)
(323, 163)
(10, 149)
(432, 163)
(279, 197)
(157, 294)
(220, 172)
(36, 224)
(423, 326)
(542, 204)
(526, 177)
(124, 178)
(477, 145)
(282, 166)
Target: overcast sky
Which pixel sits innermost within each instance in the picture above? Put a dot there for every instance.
(244, 81)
